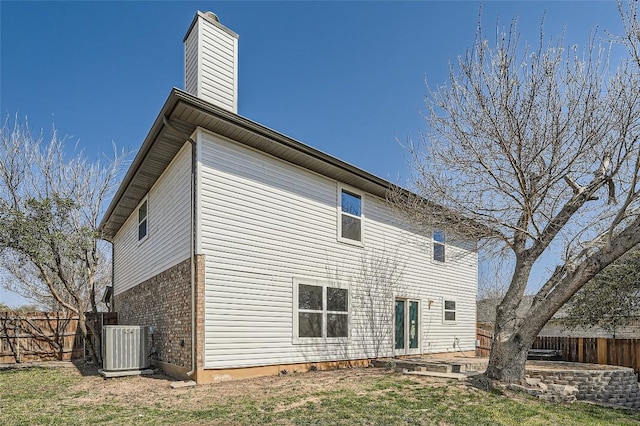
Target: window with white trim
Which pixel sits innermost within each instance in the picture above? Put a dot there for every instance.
(321, 310)
(350, 216)
(143, 220)
(438, 245)
(449, 310)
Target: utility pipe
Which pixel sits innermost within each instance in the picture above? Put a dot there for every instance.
(192, 250)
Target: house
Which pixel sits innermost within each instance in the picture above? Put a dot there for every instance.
(251, 253)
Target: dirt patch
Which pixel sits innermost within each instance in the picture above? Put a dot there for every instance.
(351, 396)
(155, 390)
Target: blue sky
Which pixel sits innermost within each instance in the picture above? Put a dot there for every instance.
(344, 77)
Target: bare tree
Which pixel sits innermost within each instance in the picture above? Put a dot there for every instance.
(50, 207)
(373, 286)
(534, 151)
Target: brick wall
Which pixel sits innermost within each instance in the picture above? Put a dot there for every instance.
(164, 302)
(199, 317)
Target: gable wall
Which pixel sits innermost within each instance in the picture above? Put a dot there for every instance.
(265, 222)
(168, 240)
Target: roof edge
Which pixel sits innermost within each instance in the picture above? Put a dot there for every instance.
(288, 141)
(156, 127)
(177, 97)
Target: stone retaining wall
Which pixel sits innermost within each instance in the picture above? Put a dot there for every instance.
(600, 383)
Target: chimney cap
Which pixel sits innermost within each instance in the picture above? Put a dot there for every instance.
(212, 19)
(212, 16)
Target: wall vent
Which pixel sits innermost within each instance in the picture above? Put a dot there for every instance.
(125, 347)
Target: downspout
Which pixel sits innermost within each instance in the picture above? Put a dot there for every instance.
(192, 249)
(111, 306)
(110, 303)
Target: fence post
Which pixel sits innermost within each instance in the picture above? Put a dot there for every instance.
(17, 336)
(580, 349)
(602, 350)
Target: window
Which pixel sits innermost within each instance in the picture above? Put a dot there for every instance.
(449, 310)
(321, 310)
(143, 215)
(438, 245)
(350, 216)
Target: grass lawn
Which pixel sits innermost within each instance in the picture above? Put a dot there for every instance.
(67, 396)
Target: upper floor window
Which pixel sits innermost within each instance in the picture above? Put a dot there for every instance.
(350, 216)
(438, 245)
(143, 220)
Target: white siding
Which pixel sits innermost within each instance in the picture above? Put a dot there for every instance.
(211, 71)
(265, 221)
(191, 61)
(168, 240)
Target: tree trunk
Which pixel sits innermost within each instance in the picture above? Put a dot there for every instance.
(508, 357)
(509, 347)
(84, 325)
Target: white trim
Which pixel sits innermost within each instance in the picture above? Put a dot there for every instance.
(199, 54)
(339, 189)
(198, 137)
(295, 310)
(235, 75)
(146, 218)
(185, 63)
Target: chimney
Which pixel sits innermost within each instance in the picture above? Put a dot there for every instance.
(211, 61)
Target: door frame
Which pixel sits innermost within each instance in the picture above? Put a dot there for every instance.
(406, 350)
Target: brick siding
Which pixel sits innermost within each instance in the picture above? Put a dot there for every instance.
(164, 302)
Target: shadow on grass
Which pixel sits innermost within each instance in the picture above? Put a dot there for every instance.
(88, 368)
(84, 367)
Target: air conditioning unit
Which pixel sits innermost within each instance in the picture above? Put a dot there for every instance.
(124, 347)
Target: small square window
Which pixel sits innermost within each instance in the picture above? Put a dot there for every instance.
(337, 325)
(351, 203)
(337, 299)
(310, 297)
(309, 324)
(351, 228)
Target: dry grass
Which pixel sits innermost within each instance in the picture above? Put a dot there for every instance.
(38, 396)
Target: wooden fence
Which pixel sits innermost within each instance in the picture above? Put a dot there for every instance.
(40, 336)
(483, 345)
(622, 352)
